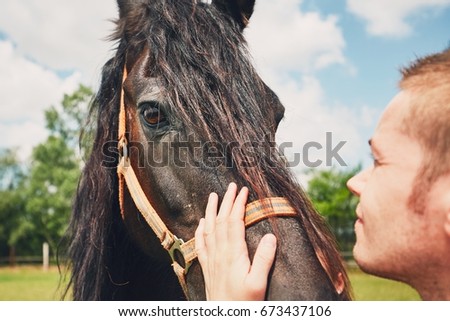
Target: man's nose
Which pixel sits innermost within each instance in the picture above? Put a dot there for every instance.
(356, 183)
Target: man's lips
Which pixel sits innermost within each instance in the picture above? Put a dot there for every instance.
(359, 214)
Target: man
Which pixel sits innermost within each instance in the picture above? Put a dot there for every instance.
(403, 217)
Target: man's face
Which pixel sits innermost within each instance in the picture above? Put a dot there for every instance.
(391, 237)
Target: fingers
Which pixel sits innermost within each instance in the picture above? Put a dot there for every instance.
(204, 234)
(200, 242)
(262, 261)
(222, 250)
(210, 222)
(223, 225)
(238, 211)
(226, 206)
(211, 213)
(205, 242)
(227, 202)
(224, 231)
(236, 226)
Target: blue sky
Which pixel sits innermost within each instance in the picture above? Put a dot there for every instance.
(371, 40)
(378, 57)
(333, 63)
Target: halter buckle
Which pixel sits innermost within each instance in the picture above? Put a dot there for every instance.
(176, 254)
(122, 146)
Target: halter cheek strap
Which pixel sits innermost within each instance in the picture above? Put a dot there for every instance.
(182, 253)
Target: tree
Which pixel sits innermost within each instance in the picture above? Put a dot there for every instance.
(55, 169)
(35, 202)
(335, 202)
(12, 203)
(67, 123)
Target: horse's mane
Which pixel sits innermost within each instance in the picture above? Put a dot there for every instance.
(200, 58)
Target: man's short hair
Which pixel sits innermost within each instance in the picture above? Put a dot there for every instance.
(428, 80)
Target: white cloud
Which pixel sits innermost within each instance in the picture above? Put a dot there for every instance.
(62, 35)
(44, 38)
(287, 42)
(309, 117)
(282, 38)
(389, 17)
(24, 135)
(27, 89)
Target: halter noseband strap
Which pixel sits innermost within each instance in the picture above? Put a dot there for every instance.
(182, 253)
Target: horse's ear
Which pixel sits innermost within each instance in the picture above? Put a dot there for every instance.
(240, 10)
(125, 6)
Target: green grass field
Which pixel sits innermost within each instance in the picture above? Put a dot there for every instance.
(33, 284)
(29, 283)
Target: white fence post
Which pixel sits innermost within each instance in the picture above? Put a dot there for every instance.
(45, 256)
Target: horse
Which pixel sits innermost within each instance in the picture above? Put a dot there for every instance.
(181, 107)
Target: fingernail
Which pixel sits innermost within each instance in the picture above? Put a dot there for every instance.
(270, 240)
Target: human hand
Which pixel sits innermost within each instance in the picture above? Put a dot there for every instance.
(223, 254)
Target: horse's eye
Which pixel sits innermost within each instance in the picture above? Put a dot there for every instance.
(152, 115)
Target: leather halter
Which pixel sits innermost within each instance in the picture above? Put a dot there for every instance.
(182, 253)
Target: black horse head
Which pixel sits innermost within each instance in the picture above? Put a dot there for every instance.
(198, 117)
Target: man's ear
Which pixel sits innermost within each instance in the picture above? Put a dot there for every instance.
(437, 203)
(446, 203)
(239, 10)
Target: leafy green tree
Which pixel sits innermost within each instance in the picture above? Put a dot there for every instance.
(51, 185)
(55, 169)
(13, 227)
(67, 123)
(329, 193)
(11, 171)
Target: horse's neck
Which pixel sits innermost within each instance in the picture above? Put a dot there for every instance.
(297, 273)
